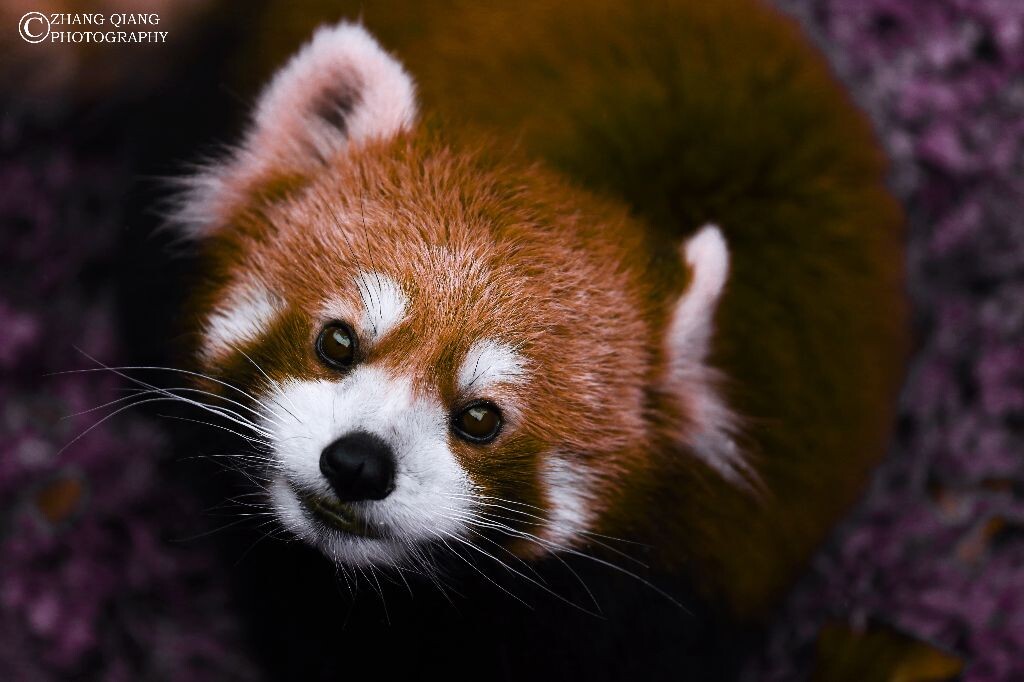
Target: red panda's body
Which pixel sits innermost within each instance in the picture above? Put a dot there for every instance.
(527, 246)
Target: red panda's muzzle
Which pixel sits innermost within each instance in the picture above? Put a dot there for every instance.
(359, 466)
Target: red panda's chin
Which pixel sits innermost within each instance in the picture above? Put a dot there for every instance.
(341, 517)
(343, 535)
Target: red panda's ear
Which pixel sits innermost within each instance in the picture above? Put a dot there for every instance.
(711, 426)
(340, 89)
(689, 335)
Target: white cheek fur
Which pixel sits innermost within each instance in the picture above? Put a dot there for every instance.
(430, 485)
(246, 313)
(569, 488)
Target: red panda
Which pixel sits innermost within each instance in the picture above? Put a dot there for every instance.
(573, 280)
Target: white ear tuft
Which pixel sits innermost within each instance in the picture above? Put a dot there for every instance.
(340, 88)
(710, 435)
(708, 258)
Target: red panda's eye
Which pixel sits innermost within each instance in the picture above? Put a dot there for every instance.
(336, 345)
(478, 422)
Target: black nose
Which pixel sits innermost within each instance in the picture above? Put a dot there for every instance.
(359, 466)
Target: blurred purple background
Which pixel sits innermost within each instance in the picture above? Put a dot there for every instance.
(98, 579)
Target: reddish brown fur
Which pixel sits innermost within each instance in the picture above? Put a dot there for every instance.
(810, 331)
(528, 260)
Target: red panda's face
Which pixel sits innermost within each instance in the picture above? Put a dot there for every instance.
(437, 350)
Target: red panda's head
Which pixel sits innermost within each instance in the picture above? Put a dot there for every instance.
(437, 346)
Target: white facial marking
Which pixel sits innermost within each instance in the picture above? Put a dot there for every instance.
(246, 313)
(490, 362)
(569, 487)
(688, 343)
(431, 488)
(384, 303)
